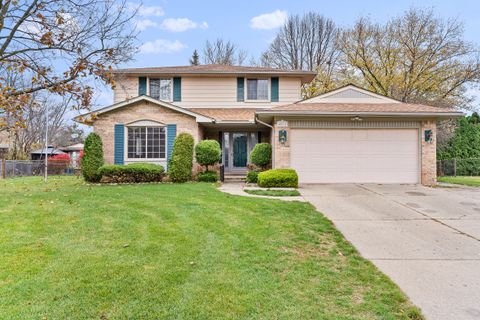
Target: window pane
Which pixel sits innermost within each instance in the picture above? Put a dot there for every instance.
(252, 89)
(136, 143)
(155, 142)
(161, 89)
(146, 142)
(262, 89)
(257, 89)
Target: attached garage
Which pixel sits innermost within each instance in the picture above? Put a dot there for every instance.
(356, 155)
(352, 135)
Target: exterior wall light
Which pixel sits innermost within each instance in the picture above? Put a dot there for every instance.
(282, 136)
(428, 135)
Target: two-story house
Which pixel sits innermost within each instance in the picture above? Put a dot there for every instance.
(347, 135)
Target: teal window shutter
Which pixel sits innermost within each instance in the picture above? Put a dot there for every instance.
(142, 86)
(171, 135)
(240, 89)
(177, 89)
(119, 143)
(274, 93)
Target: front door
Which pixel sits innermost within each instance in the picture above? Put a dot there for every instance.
(236, 147)
(239, 150)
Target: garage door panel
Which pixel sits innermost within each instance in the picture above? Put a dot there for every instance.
(355, 155)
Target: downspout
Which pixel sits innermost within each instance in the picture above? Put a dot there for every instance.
(272, 138)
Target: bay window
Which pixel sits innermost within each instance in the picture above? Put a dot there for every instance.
(146, 143)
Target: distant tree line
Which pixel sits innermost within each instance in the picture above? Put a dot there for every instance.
(416, 57)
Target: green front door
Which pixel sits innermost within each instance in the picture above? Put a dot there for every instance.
(239, 150)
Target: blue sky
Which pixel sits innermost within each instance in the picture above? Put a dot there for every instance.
(171, 30)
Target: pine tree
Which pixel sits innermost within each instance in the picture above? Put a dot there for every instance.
(194, 60)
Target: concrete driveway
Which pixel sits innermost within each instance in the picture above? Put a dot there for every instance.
(427, 240)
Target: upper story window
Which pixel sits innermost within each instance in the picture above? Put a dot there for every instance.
(257, 89)
(161, 89)
(146, 143)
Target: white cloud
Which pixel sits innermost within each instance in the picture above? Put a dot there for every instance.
(270, 20)
(162, 46)
(181, 24)
(147, 11)
(145, 23)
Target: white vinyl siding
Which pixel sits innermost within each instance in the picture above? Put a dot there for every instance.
(355, 155)
(213, 92)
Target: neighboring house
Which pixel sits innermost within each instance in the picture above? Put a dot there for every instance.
(40, 153)
(74, 152)
(346, 135)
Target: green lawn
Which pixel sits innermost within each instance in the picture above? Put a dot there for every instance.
(275, 193)
(74, 251)
(468, 181)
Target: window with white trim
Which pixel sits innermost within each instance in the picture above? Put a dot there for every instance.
(146, 143)
(257, 89)
(161, 89)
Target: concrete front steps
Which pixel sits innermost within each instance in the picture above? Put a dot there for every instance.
(235, 178)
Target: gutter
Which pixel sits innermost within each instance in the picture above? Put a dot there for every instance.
(364, 113)
(272, 138)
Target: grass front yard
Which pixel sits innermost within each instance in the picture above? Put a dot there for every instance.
(74, 251)
(468, 181)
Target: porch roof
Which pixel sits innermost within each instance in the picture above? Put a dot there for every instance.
(227, 114)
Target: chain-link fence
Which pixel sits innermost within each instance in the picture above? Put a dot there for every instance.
(458, 167)
(21, 168)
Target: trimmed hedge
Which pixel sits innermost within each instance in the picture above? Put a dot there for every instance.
(207, 176)
(287, 178)
(208, 152)
(92, 158)
(261, 155)
(252, 176)
(131, 173)
(180, 165)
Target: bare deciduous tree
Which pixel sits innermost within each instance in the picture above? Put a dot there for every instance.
(306, 43)
(416, 57)
(31, 134)
(61, 46)
(223, 52)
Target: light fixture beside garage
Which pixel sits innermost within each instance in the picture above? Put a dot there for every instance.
(357, 118)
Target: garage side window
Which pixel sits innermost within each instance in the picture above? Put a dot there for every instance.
(146, 143)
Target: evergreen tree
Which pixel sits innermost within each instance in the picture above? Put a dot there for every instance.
(194, 60)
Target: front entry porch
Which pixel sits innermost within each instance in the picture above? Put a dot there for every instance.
(237, 143)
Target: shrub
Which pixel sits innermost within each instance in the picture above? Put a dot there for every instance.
(60, 157)
(180, 165)
(58, 163)
(261, 155)
(131, 173)
(208, 176)
(252, 176)
(92, 158)
(278, 178)
(208, 152)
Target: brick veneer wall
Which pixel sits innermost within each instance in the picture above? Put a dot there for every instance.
(429, 154)
(105, 123)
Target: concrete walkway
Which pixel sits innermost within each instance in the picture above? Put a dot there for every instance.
(427, 240)
(236, 188)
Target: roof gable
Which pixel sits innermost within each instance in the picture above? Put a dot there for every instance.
(197, 116)
(350, 94)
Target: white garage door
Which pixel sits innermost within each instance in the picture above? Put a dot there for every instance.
(355, 155)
